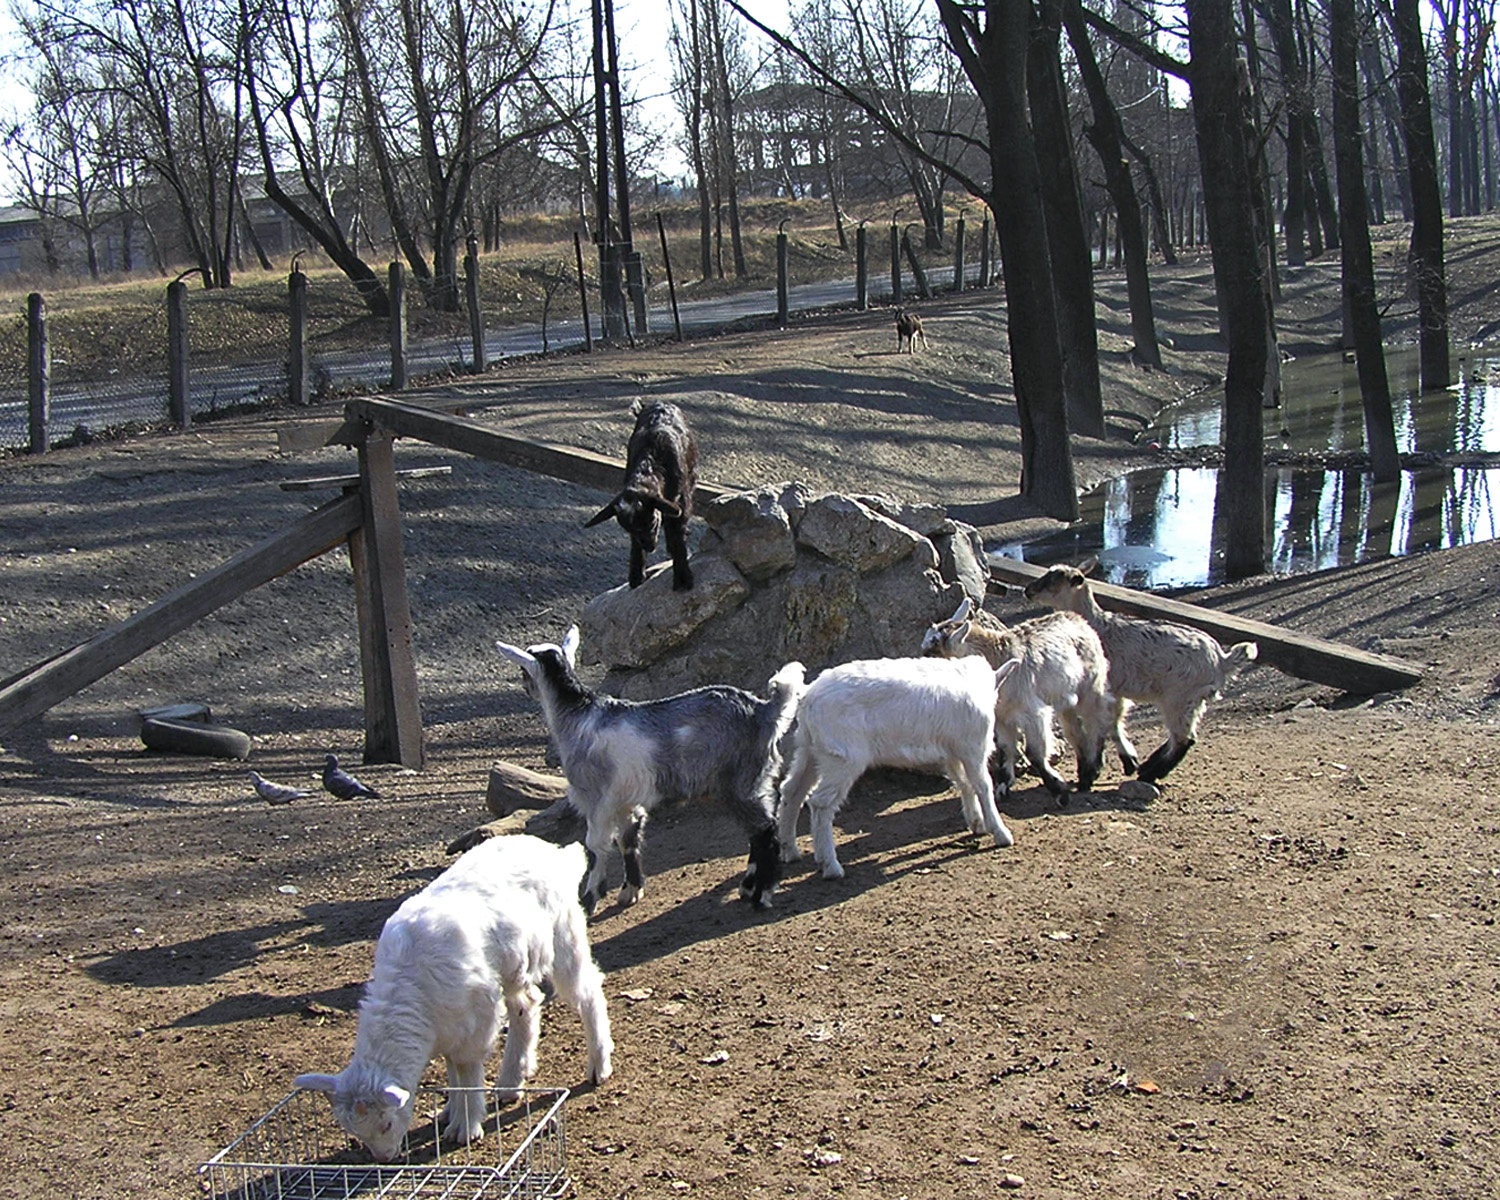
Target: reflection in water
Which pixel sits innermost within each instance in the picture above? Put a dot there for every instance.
(1156, 529)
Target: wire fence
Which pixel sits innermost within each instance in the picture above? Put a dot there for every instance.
(125, 384)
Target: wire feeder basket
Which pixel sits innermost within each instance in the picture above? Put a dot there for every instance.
(297, 1151)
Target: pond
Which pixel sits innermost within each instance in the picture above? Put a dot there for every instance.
(1155, 529)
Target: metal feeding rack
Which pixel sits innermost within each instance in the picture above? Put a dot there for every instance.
(297, 1151)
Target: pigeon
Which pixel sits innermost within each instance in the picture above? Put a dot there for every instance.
(342, 784)
(275, 793)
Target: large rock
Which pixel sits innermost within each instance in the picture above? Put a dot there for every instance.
(854, 534)
(633, 627)
(753, 531)
(961, 559)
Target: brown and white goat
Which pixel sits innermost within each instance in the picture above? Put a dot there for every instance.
(909, 331)
(661, 474)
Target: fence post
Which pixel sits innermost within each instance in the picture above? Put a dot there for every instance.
(895, 264)
(583, 294)
(984, 253)
(38, 372)
(666, 256)
(177, 355)
(861, 268)
(782, 303)
(296, 286)
(476, 314)
(958, 255)
(398, 327)
(917, 271)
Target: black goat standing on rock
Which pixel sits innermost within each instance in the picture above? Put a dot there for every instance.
(661, 474)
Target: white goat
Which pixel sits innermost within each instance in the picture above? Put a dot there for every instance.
(1175, 667)
(1063, 670)
(623, 757)
(495, 925)
(920, 713)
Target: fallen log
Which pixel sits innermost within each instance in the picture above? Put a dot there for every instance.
(512, 787)
(1318, 660)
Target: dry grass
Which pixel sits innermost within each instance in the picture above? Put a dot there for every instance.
(97, 328)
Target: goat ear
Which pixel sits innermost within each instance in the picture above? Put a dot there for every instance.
(1003, 671)
(960, 633)
(393, 1097)
(670, 507)
(522, 659)
(317, 1083)
(570, 646)
(1089, 565)
(965, 606)
(604, 514)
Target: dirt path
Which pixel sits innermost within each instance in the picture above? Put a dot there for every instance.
(1280, 979)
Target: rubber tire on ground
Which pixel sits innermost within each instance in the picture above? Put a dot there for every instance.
(194, 737)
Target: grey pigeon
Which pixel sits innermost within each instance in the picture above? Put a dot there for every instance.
(342, 784)
(275, 793)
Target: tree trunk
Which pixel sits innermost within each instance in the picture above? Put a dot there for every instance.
(1104, 135)
(1427, 205)
(1283, 29)
(1358, 263)
(1067, 238)
(1229, 201)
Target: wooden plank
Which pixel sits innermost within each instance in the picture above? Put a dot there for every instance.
(298, 437)
(323, 482)
(33, 692)
(393, 717)
(1315, 659)
(484, 441)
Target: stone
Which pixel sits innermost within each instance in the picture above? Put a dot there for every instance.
(961, 559)
(753, 531)
(926, 519)
(633, 627)
(855, 535)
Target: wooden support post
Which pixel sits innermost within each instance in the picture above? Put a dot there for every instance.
(32, 692)
(476, 314)
(958, 255)
(38, 374)
(296, 286)
(583, 294)
(782, 299)
(178, 405)
(861, 268)
(666, 256)
(917, 270)
(393, 718)
(397, 295)
(895, 265)
(984, 253)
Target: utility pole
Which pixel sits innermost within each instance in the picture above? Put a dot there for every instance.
(631, 266)
(611, 295)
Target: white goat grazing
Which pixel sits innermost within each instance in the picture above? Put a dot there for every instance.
(920, 713)
(623, 757)
(495, 925)
(1063, 670)
(1175, 667)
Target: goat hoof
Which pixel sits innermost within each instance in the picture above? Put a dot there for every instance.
(833, 871)
(629, 894)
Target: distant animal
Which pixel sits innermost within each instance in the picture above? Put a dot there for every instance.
(661, 474)
(909, 331)
(1175, 667)
(275, 793)
(342, 784)
(469, 952)
(624, 757)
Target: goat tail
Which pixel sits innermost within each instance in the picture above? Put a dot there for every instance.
(1238, 657)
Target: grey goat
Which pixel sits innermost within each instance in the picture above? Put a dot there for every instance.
(624, 757)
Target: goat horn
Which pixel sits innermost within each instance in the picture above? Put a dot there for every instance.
(603, 514)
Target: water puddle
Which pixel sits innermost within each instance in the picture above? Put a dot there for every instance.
(1155, 529)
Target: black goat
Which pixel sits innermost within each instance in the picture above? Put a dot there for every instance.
(661, 474)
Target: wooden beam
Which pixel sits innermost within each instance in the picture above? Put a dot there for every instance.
(484, 441)
(1310, 658)
(33, 692)
(393, 717)
(323, 482)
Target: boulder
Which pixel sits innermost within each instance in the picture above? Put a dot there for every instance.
(961, 559)
(855, 535)
(633, 627)
(753, 531)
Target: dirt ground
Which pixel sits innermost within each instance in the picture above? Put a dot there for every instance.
(1279, 979)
